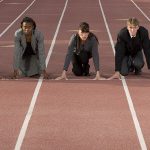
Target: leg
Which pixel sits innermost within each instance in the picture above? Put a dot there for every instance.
(125, 66)
(138, 62)
(86, 68)
(77, 65)
(30, 66)
(84, 57)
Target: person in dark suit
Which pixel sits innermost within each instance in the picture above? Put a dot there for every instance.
(29, 55)
(131, 41)
(82, 46)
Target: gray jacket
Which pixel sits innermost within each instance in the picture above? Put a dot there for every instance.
(37, 43)
(91, 45)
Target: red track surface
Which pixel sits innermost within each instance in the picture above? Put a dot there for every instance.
(73, 114)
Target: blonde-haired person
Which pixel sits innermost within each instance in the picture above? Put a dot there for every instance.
(131, 40)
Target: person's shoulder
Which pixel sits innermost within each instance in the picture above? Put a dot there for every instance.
(123, 31)
(73, 39)
(18, 32)
(143, 32)
(142, 29)
(93, 37)
(37, 32)
(73, 36)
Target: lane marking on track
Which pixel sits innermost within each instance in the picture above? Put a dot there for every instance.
(50, 80)
(6, 29)
(38, 14)
(83, 80)
(140, 10)
(14, 3)
(128, 96)
(1, 1)
(72, 79)
(7, 45)
(121, 19)
(37, 89)
(74, 30)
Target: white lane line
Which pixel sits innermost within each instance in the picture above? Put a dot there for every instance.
(72, 79)
(140, 10)
(128, 96)
(75, 79)
(40, 14)
(1, 1)
(54, 39)
(50, 80)
(14, 3)
(37, 89)
(12, 45)
(6, 29)
(122, 19)
(74, 30)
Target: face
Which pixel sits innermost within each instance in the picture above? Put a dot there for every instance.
(27, 28)
(132, 29)
(83, 35)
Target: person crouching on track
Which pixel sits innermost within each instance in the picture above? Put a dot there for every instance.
(29, 56)
(131, 41)
(82, 46)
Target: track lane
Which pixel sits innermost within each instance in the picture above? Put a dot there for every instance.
(19, 93)
(14, 101)
(142, 88)
(37, 89)
(138, 81)
(64, 120)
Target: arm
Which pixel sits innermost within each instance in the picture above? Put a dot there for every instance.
(69, 54)
(98, 76)
(146, 46)
(95, 55)
(63, 76)
(116, 75)
(68, 58)
(41, 54)
(119, 54)
(17, 54)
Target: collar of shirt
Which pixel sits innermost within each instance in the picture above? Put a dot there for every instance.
(132, 36)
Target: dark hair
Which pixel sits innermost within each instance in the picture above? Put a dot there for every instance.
(28, 20)
(84, 27)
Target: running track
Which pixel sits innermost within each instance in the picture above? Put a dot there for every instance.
(78, 114)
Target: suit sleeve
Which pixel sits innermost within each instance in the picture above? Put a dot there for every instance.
(41, 51)
(17, 50)
(119, 52)
(146, 47)
(95, 54)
